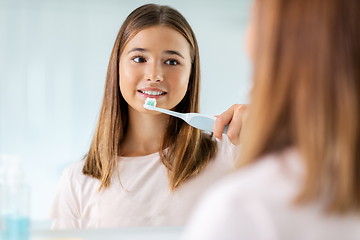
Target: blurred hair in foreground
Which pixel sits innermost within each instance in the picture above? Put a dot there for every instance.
(306, 94)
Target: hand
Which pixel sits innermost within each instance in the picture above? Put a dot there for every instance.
(235, 116)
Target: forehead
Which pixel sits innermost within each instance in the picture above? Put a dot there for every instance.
(159, 38)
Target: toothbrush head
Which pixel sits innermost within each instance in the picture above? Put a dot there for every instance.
(150, 102)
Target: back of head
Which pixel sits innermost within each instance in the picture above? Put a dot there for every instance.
(306, 94)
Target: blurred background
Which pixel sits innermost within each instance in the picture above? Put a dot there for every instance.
(53, 62)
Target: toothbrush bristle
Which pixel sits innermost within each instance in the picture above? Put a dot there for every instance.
(150, 102)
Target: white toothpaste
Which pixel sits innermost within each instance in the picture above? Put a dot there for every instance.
(150, 101)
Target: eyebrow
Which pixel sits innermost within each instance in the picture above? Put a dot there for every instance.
(169, 52)
(138, 50)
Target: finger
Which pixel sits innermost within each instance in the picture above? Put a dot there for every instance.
(236, 124)
(221, 121)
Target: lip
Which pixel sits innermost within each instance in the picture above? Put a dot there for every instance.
(151, 89)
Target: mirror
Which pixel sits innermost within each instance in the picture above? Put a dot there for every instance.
(53, 62)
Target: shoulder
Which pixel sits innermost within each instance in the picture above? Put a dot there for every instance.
(223, 161)
(231, 207)
(74, 170)
(226, 151)
(277, 168)
(243, 199)
(272, 178)
(74, 176)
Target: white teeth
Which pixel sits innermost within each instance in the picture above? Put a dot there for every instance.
(155, 93)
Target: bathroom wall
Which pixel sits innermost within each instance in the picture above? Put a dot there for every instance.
(53, 61)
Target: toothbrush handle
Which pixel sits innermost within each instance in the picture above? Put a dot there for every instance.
(172, 113)
(182, 116)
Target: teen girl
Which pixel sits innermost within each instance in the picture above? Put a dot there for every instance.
(146, 168)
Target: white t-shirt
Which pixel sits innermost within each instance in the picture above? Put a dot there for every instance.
(146, 199)
(256, 203)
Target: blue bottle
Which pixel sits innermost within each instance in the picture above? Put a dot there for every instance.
(14, 201)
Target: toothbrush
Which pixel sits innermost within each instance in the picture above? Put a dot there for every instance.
(197, 120)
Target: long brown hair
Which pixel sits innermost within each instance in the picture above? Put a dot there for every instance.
(306, 94)
(193, 148)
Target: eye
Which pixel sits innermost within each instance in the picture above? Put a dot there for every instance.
(139, 59)
(172, 62)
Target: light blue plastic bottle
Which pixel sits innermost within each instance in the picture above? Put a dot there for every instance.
(14, 201)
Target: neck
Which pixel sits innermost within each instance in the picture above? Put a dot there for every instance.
(144, 132)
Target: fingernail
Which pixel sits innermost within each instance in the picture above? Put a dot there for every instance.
(217, 139)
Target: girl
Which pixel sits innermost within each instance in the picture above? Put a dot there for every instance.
(145, 168)
(300, 169)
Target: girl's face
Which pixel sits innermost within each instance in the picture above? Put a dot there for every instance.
(155, 63)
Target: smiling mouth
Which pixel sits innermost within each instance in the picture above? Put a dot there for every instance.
(152, 93)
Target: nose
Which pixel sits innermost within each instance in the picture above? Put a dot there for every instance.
(154, 73)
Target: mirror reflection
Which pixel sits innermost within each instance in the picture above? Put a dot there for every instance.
(70, 87)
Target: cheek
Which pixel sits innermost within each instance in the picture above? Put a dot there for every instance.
(180, 80)
(127, 76)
